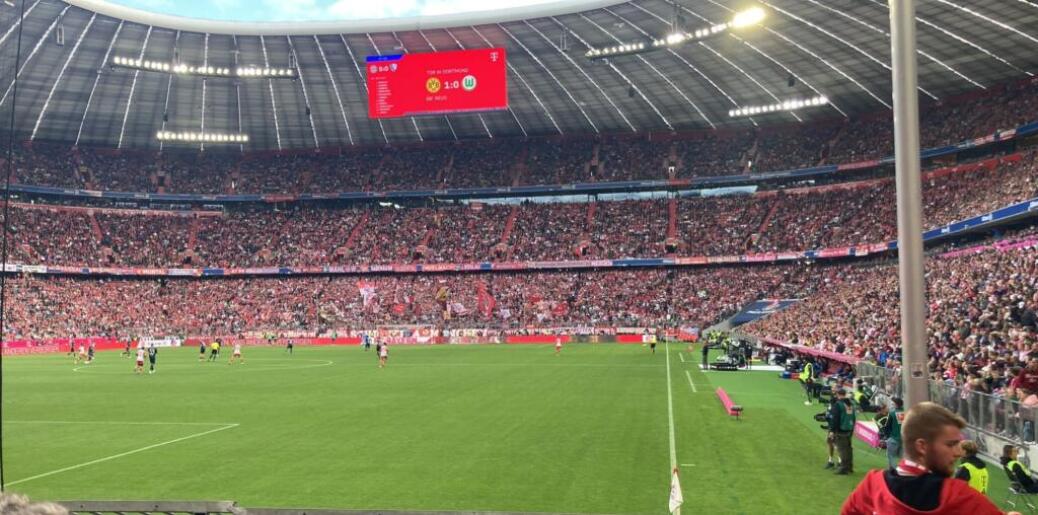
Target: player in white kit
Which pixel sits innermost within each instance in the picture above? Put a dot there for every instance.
(140, 361)
(383, 355)
(558, 344)
(236, 355)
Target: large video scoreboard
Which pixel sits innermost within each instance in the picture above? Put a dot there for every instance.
(437, 82)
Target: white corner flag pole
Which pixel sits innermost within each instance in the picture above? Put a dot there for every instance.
(676, 499)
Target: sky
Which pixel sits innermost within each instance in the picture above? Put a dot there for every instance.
(316, 10)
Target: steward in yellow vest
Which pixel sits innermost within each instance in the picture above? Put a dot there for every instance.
(973, 470)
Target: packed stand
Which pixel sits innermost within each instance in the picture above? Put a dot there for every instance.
(786, 220)
(712, 156)
(61, 307)
(632, 160)
(565, 161)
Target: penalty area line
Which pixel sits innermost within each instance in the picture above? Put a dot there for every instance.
(120, 455)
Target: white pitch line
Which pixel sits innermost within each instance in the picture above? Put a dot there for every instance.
(682, 357)
(690, 383)
(120, 455)
(117, 423)
(670, 413)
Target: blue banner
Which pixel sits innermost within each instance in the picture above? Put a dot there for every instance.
(759, 309)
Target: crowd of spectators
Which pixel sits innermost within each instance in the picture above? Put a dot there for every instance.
(517, 162)
(981, 324)
(800, 219)
(41, 307)
(715, 155)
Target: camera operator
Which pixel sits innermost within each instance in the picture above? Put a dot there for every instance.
(922, 481)
(826, 417)
(843, 416)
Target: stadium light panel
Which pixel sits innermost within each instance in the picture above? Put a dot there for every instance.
(747, 18)
(787, 105)
(202, 71)
(201, 137)
(742, 19)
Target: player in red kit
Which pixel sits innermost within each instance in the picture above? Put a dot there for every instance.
(922, 482)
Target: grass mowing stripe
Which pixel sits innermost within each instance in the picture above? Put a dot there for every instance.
(120, 455)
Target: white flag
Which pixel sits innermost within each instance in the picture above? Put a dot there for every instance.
(675, 493)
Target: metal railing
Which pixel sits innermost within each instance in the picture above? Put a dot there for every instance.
(995, 415)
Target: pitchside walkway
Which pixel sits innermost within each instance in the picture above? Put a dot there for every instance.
(774, 408)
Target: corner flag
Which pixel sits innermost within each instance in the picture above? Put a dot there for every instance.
(675, 493)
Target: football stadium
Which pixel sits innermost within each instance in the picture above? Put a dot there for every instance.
(284, 257)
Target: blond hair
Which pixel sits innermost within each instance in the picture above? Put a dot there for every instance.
(17, 504)
(970, 447)
(925, 421)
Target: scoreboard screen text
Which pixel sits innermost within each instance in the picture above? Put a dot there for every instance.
(436, 83)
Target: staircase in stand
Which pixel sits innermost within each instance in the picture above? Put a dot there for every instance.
(443, 173)
(751, 155)
(828, 148)
(506, 234)
(519, 168)
(672, 218)
(95, 228)
(356, 231)
(192, 235)
(752, 239)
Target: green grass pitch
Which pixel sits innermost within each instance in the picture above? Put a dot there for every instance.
(502, 428)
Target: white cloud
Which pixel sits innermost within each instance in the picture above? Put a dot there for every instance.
(434, 7)
(291, 10)
(368, 9)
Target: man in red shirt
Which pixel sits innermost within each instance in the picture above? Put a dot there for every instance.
(1027, 381)
(922, 482)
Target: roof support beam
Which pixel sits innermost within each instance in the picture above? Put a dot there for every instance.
(133, 86)
(960, 39)
(306, 97)
(97, 78)
(18, 22)
(32, 54)
(169, 87)
(481, 120)
(651, 67)
(515, 72)
(445, 118)
(623, 76)
(57, 80)
(808, 52)
(841, 40)
(205, 62)
(586, 76)
(335, 89)
(886, 36)
(270, 86)
(553, 77)
(679, 56)
(413, 121)
(363, 82)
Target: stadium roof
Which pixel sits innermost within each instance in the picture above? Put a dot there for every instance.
(836, 48)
